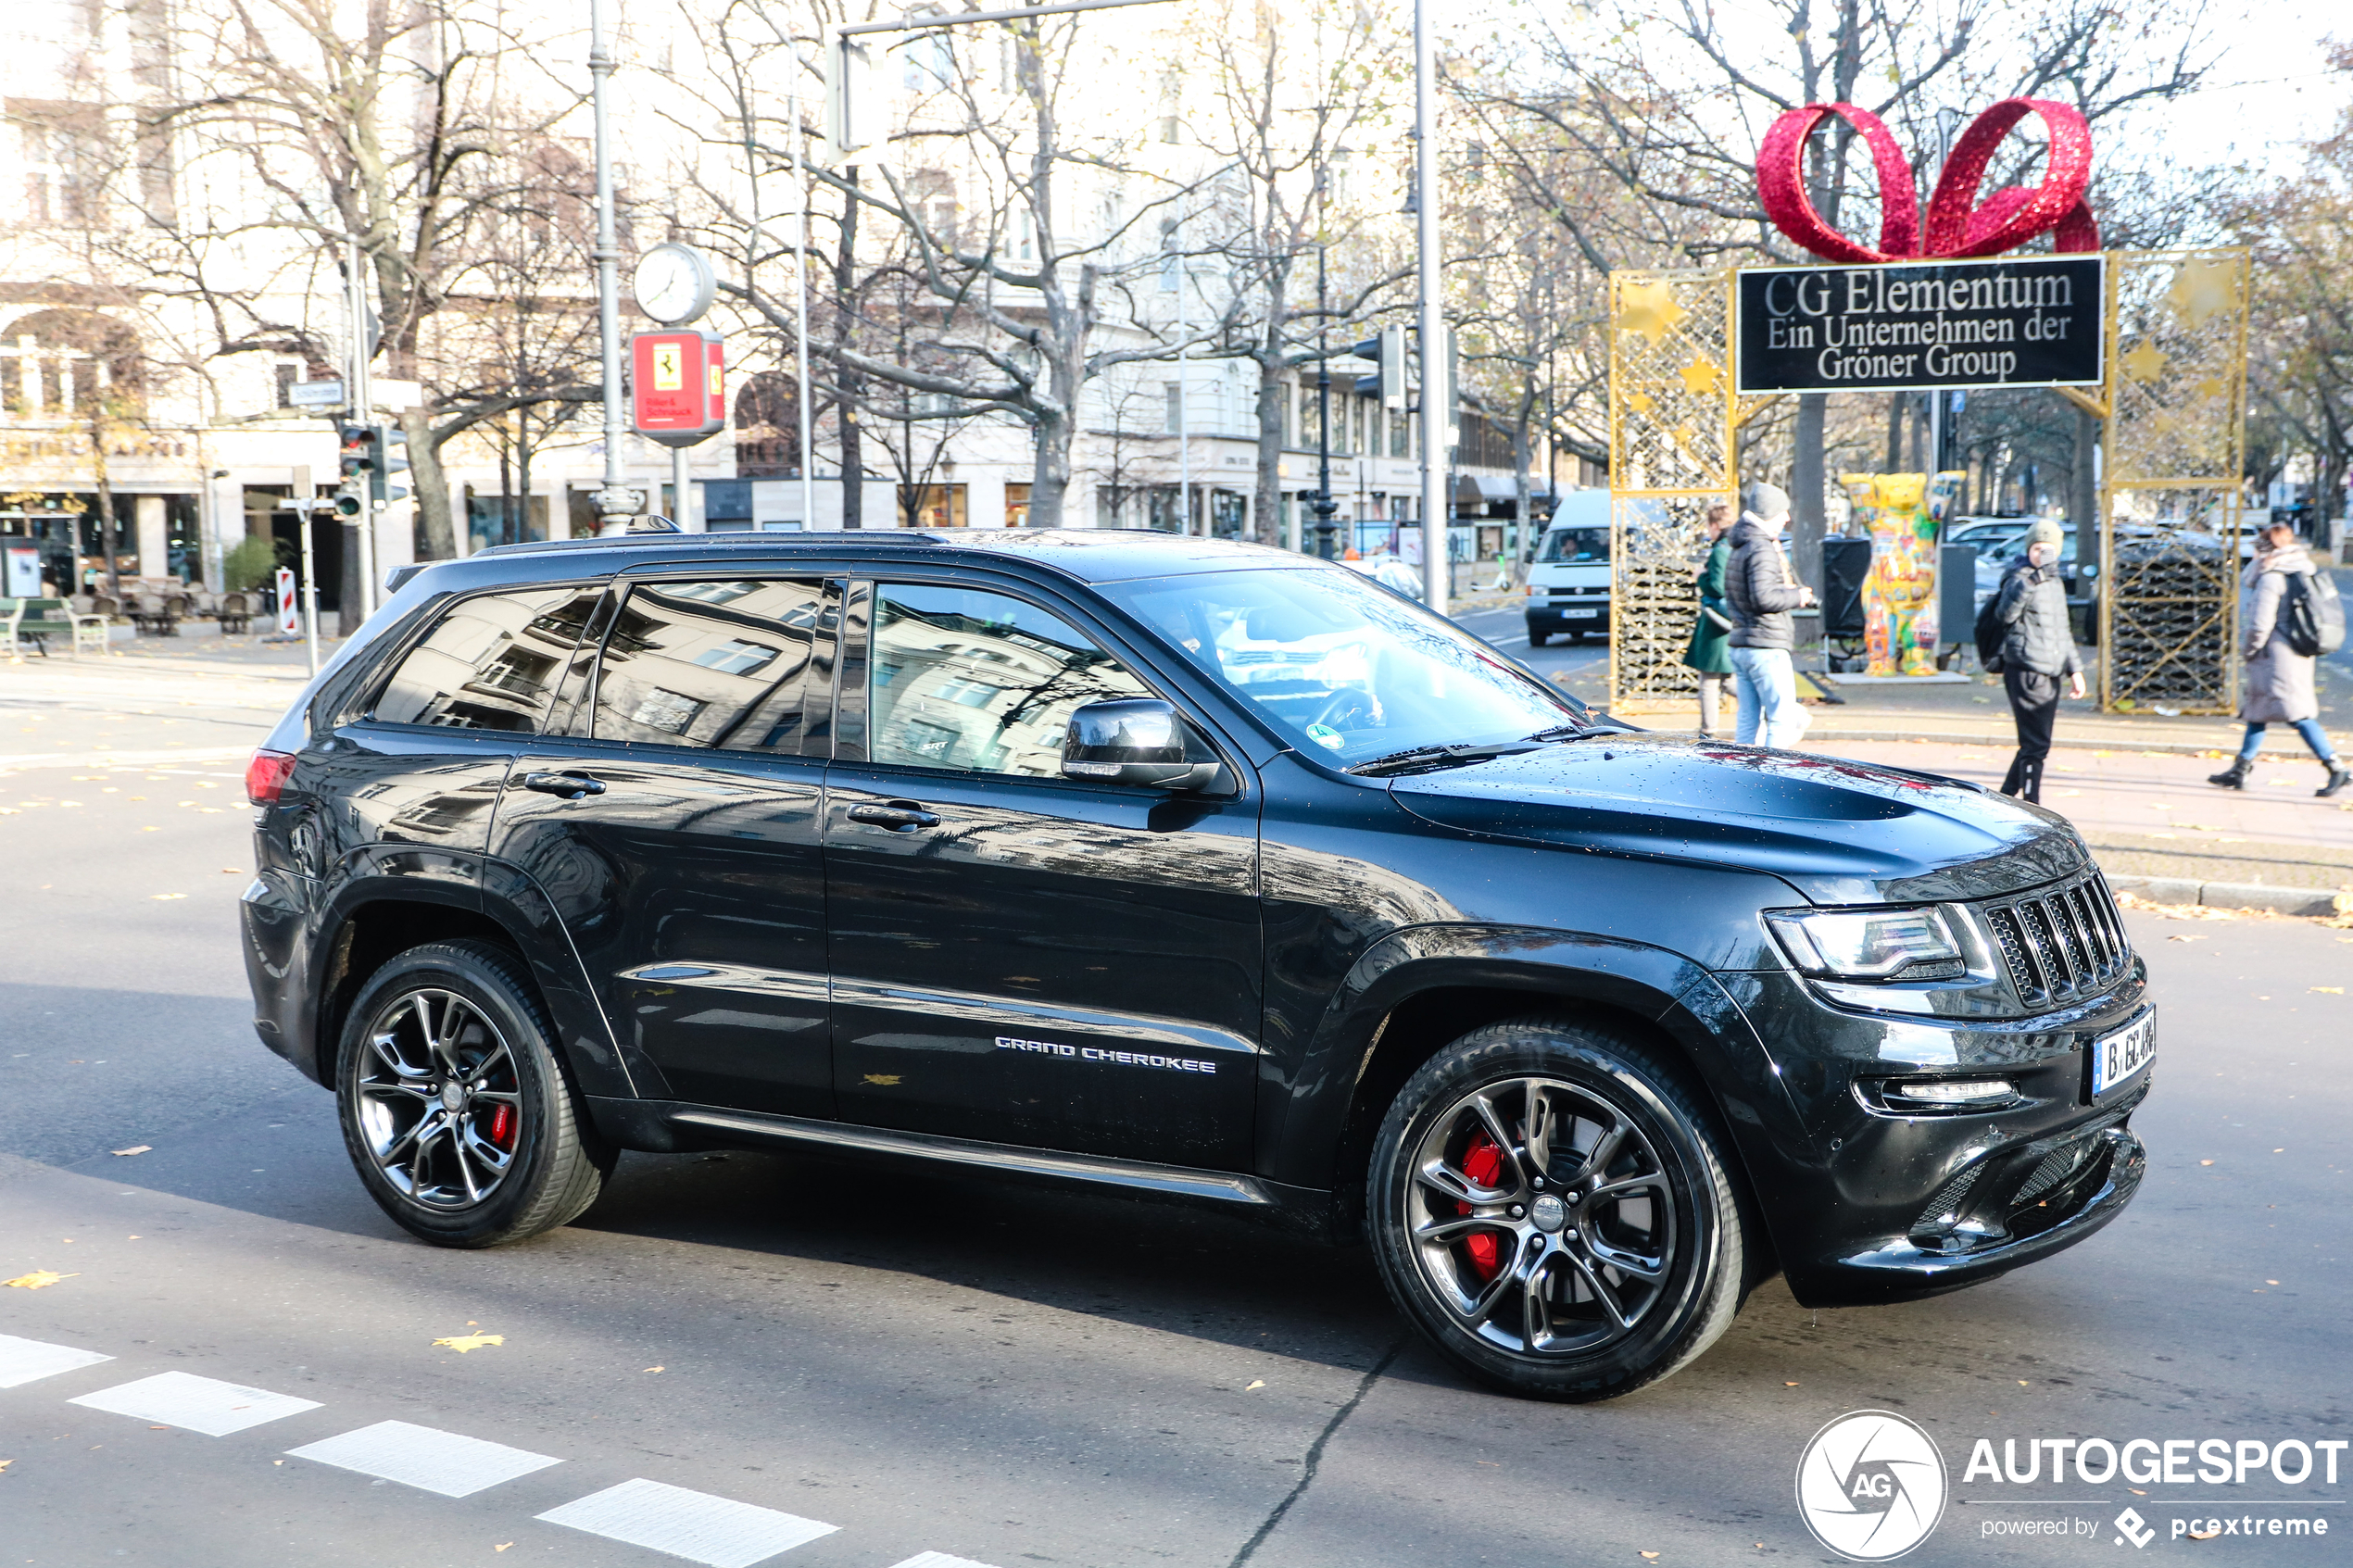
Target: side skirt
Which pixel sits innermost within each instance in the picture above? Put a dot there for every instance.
(671, 1126)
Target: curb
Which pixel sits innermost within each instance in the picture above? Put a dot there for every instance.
(2234, 895)
(1949, 737)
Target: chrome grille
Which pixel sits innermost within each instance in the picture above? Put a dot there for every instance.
(2061, 945)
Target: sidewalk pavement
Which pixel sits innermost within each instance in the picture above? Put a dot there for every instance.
(2152, 814)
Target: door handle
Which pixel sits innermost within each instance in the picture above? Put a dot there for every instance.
(899, 817)
(570, 786)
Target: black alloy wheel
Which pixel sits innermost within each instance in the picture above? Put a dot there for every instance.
(456, 1110)
(1551, 1205)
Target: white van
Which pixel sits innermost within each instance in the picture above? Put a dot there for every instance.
(1569, 581)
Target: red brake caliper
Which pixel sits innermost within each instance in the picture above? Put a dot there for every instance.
(1483, 1162)
(502, 1126)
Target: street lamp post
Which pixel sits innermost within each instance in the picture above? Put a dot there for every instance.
(1435, 392)
(1324, 506)
(615, 503)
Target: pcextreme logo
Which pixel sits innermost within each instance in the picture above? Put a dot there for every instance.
(1872, 1486)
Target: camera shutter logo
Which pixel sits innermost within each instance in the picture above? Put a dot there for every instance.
(1872, 1486)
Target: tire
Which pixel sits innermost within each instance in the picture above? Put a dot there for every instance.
(1538, 639)
(504, 1156)
(1577, 639)
(1598, 1328)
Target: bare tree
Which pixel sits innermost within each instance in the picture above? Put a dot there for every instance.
(1671, 105)
(392, 124)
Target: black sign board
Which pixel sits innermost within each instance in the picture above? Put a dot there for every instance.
(2022, 321)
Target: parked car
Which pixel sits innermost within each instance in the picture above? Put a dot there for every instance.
(1568, 580)
(1187, 869)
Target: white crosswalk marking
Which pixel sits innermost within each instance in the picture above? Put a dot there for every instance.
(717, 1532)
(939, 1559)
(23, 1361)
(199, 1404)
(424, 1456)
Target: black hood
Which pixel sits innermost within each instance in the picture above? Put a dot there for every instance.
(1839, 832)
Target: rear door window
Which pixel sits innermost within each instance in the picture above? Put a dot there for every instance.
(492, 663)
(722, 662)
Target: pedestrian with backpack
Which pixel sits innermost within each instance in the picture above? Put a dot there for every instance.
(2289, 615)
(2038, 650)
(1760, 590)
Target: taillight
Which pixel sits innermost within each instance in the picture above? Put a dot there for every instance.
(266, 776)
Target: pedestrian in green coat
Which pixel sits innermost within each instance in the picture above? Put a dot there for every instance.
(1708, 654)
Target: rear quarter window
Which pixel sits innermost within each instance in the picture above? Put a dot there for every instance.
(492, 662)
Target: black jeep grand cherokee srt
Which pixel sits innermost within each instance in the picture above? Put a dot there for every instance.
(1187, 867)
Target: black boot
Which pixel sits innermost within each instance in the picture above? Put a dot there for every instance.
(2231, 777)
(2339, 776)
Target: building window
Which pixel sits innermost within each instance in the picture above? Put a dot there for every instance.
(1016, 505)
(768, 427)
(933, 505)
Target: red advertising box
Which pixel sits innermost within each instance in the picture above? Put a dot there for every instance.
(677, 386)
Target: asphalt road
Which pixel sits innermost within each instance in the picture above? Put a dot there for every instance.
(1003, 1375)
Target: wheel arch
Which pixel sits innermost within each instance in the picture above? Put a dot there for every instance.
(370, 926)
(1416, 991)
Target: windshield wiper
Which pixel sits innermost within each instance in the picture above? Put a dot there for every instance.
(1438, 756)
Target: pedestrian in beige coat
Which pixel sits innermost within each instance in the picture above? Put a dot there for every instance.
(2279, 678)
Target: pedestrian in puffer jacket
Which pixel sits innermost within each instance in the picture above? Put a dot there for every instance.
(2038, 649)
(1759, 592)
(2279, 678)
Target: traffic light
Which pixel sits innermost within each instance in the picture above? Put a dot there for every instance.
(354, 463)
(1388, 351)
(358, 456)
(383, 464)
(851, 106)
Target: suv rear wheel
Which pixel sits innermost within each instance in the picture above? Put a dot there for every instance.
(1551, 1206)
(456, 1109)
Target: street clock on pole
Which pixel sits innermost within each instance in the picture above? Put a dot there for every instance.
(673, 284)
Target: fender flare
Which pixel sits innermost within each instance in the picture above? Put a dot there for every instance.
(510, 900)
(1308, 1130)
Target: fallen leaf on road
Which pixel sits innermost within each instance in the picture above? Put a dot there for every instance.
(136, 1149)
(163, 897)
(230, 871)
(1652, 1556)
(1789, 1385)
(2204, 1534)
(2330, 990)
(461, 1343)
(502, 1546)
(1259, 1384)
(2022, 1383)
(2185, 938)
(6, 1462)
(40, 1279)
(2271, 1282)
(2206, 1162)
(657, 1369)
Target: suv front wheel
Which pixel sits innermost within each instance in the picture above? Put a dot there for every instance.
(1551, 1206)
(455, 1107)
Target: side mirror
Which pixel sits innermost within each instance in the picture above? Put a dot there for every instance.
(1133, 741)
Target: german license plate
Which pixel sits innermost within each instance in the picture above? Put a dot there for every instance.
(2118, 1055)
(1583, 614)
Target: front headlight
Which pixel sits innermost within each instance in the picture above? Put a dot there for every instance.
(1870, 944)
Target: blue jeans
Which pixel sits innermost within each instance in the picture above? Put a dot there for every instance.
(1767, 683)
(2314, 736)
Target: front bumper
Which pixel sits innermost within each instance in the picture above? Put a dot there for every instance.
(1554, 616)
(1889, 1206)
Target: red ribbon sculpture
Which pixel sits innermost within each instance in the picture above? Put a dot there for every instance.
(2009, 219)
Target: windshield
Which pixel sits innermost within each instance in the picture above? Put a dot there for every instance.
(1564, 546)
(1341, 667)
